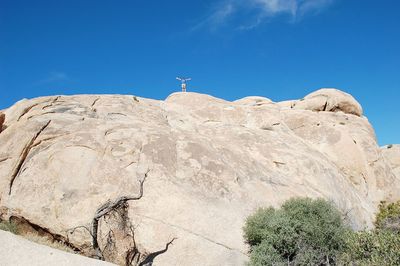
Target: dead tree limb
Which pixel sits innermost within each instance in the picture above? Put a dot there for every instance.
(118, 207)
(148, 261)
(133, 254)
(108, 207)
(72, 230)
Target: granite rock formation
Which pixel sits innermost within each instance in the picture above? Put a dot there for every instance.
(208, 164)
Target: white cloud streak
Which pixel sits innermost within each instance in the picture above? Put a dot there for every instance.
(219, 16)
(55, 76)
(273, 7)
(251, 13)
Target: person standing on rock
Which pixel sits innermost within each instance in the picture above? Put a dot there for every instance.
(183, 82)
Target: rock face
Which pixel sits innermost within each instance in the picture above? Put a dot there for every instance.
(209, 164)
(392, 154)
(330, 100)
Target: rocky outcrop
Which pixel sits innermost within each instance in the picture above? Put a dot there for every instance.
(392, 154)
(331, 100)
(207, 164)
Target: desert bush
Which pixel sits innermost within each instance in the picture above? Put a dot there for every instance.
(371, 248)
(388, 217)
(302, 232)
(380, 246)
(8, 226)
(266, 254)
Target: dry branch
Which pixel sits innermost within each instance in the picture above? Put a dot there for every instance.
(105, 209)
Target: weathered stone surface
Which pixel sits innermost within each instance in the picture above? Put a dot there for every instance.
(210, 164)
(330, 100)
(392, 154)
(17, 251)
(253, 101)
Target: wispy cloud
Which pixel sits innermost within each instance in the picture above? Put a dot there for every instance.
(248, 14)
(54, 76)
(221, 13)
(313, 6)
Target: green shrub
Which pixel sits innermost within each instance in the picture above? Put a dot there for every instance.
(8, 226)
(388, 217)
(371, 248)
(310, 232)
(377, 247)
(303, 232)
(266, 254)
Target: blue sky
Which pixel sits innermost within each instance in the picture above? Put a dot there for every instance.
(231, 48)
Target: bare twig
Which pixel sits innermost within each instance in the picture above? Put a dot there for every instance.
(108, 207)
(118, 208)
(148, 261)
(72, 230)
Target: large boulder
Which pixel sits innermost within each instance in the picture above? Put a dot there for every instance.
(330, 100)
(207, 163)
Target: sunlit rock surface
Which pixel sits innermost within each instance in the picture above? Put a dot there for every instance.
(209, 163)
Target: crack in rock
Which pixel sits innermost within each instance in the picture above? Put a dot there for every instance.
(297, 127)
(116, 114)
(45, 113)
(51, 103)
(94, 102)
(47, 139)
(4, 159)
(44, 232)
(192, 233)
(26, 110)
(325, 106)
(24, 155)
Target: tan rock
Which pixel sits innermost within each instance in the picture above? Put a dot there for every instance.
(211, 163)
(330, 100)
(391, 153)
(286, 104)
(253, 101)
